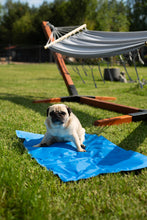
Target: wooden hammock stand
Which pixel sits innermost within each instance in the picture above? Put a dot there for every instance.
(131, 113)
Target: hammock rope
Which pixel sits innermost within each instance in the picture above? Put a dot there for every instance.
(61, 33)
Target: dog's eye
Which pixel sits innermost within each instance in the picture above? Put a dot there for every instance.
(52, 113)
(62, 113)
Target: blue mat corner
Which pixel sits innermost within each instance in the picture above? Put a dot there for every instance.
(101, 156)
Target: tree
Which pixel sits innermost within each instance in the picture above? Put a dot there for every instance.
(0, 21)
(137, 14)
(111, 16)
(12, 13)
(22, 29)
(43, 13)
(59, 15)
(0, 13)
(83, 11)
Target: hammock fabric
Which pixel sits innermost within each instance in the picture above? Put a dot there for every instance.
(95, 44)
(102, 156)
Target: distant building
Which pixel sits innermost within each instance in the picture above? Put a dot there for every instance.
(29, 53)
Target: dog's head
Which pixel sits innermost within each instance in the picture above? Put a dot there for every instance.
(58, 114)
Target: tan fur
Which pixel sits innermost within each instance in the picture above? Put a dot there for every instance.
(70, 129)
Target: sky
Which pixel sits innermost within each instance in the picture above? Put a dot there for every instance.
(36, 3)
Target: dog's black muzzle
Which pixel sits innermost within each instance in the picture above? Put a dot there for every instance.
(57, 121)
(57, 117)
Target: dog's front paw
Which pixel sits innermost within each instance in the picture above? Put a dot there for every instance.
(41, 145)
(37, 145)
(81, 150)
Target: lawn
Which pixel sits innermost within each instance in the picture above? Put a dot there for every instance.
(29, 191)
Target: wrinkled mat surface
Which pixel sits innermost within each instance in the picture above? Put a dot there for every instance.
(102, 156)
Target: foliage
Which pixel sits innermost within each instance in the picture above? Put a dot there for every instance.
(21, 24)
(13, 11)
(83, 11)
(112, 16)
(25, 27)
(137, 14)
(29, 191)
(0, 12)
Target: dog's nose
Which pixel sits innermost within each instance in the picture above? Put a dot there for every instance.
(57, 120)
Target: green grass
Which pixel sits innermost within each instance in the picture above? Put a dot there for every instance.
(29, 191)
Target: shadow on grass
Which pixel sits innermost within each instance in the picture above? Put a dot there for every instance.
(134, 139)
(27, 102)
(41, 108)
(131, 142)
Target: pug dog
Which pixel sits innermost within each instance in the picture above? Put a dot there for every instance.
(62, 125)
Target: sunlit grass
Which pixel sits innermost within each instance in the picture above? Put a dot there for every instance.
(29, 191)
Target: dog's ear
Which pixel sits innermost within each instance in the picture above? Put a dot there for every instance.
(48, 111)
(69, 110)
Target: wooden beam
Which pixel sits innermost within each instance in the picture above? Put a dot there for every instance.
(114, 121)
(108, 105)
(72, 99)
(51, 100)
(137, 116)
(105, 98)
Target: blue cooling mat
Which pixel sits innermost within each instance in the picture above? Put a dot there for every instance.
(101, 156)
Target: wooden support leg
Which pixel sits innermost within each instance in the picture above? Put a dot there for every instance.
(114, 121)
(108, 105)
(52, 100)
(72, 99)
(60, 63)
(137, 116)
